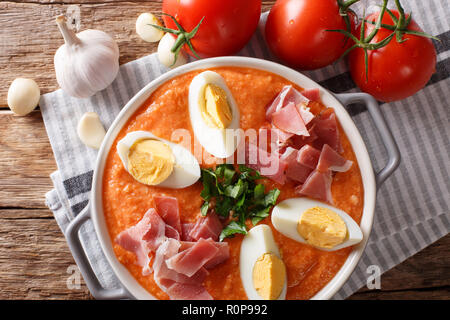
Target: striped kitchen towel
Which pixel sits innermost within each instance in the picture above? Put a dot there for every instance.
(412, 206)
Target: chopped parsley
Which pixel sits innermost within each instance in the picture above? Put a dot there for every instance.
(235, 194)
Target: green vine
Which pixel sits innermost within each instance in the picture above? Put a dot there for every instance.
(344, 9)
(183, 37)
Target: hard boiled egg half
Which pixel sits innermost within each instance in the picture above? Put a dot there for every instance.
(155, 161)
(262, 270)
(318, 224)
(214, 114)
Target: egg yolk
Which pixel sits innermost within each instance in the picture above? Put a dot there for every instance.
(216, 111)
(150, 161)
(269, 276)
(322, 227)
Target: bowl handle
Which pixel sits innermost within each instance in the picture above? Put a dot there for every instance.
(82, 261)
(383, 130)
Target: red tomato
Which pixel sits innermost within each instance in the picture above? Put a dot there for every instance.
(397, 70)
(228, 24)
(296, 32)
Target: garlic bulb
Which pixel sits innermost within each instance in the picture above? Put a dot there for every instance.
(166, 56)
(88, 61)
(90, 130)
(145, 30)
(23, 96)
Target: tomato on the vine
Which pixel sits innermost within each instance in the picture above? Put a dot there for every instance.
(226, 28)
(397, 70)
(296, 32)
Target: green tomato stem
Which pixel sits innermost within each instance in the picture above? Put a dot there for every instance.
(345, 5)
(183, 37)
(378, 24)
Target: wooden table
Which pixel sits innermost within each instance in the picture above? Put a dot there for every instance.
(35, 262)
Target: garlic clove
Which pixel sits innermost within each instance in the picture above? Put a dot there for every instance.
(90, 130)
(166, 56)
(87, 62)
(23, 96)
(145, 30)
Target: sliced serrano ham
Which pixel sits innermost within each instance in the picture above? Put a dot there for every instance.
(287, 94)
(279, 101)
(166, 277)
(168, 209)
(185, 230)
(311, 94)
(307, 116)
(308, 156)
(331, 160)
(295, 170)
(171, 232)
(189, 261)
(327, 131)
(182, 291)
(162, 274)
(179, 267)
(318, 186)
(268, 164)
(297, 142)
(278, 138)
(289, 120)
(142, 238)
(207, 227)
(222, 254)
(156, 234)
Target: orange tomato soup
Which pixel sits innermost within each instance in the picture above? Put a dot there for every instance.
(125, 200)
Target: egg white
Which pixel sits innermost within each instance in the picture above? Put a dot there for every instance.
(258, 241)
(286, 214)
(186, 170)
(221, 143)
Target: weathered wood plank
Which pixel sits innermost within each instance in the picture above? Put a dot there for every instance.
(35, 262)
(427, 269)
(29, 37)
(426, 294)
(27, 161)
(20, 214)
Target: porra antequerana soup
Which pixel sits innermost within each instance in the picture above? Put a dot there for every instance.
(125, 200)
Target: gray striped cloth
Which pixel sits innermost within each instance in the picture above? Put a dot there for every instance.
(412, 206)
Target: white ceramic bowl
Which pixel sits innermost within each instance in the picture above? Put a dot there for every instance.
(95, 210)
